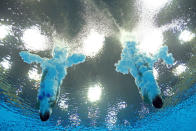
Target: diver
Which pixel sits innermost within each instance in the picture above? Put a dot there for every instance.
(54, 71)
(141, 68)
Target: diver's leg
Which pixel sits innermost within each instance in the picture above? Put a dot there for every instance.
(150, 89)
(43, 116)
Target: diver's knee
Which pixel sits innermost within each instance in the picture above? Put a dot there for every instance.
(45, 116)
(157, 102)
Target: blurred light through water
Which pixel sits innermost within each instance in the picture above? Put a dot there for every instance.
(34, 75)
(93, 43)
(6, 64)
(34, 40)
(4, 31)
(179, 69)
(94, 93)
(186, 36)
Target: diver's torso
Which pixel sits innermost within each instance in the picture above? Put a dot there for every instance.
(55, 71)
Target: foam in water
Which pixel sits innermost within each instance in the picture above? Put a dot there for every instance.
(141, 68)
(53, 72)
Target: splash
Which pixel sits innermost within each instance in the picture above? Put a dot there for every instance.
(141, 68)
(53, 72)
(146, 27)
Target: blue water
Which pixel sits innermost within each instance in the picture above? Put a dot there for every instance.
(110, 89)
(181, 116)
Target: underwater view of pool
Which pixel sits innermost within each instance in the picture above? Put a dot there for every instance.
(97, 65)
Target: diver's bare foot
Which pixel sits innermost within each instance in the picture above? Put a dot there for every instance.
(157, 102)
(45, 116)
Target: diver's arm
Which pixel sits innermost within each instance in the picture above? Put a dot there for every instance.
(127, 62)
(30, 58)
(163, 54)
(122, 66)
(75, 59)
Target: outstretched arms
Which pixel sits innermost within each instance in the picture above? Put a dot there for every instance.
(75, 59)
(30, 58)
